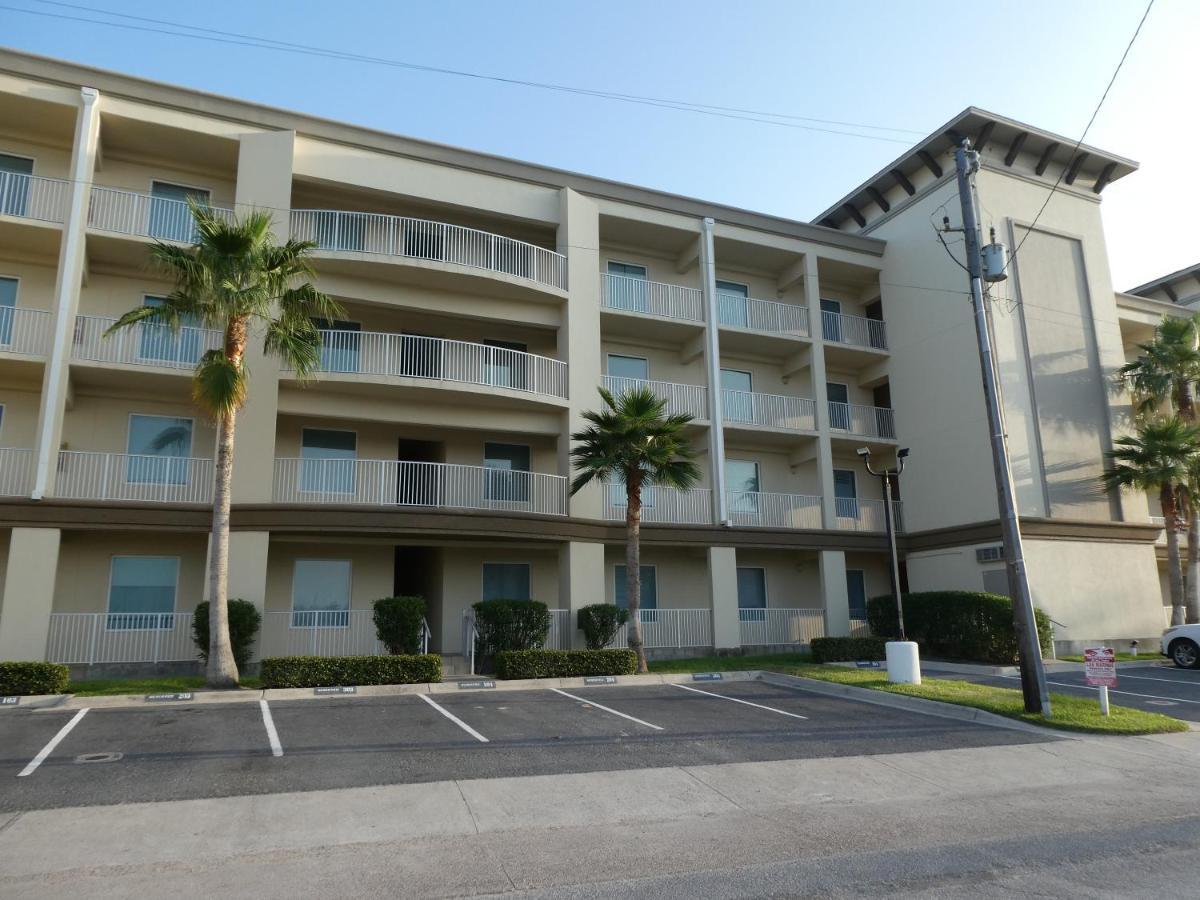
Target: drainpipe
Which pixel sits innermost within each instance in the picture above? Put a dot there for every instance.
(712, 358)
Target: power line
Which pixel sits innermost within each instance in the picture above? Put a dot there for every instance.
(194, 32)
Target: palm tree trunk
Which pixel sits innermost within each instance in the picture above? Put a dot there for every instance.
(222, 668)
(633, 570)
(1192, 582)
(1174, 575)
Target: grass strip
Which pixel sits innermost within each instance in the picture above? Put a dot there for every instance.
(106, 687)
(772, 661)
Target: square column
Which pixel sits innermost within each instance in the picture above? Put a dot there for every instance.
(28, 593)
(812, 297)
(580, 581)
(248, 573)
(722, 573)
(834, 593)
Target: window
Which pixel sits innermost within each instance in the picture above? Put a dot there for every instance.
(141, 592)
(157, 342)
(627, 287)
(831, 319)
(649, 587)
(506, 475)
(839, 405)
(752, 594)
(733, 304)
(170, 218)
(634, 367)
(158, 447)
(736, 399)
(321, 593)
(507, 364)
(845, 493)
(741, 477)
(340, 345)
(506, 581)
(856, 590)
(8, 302)
(14, 184)
(327, 461)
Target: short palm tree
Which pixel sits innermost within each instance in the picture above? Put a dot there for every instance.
(235, 278)
(1159, 458)
(633, 441)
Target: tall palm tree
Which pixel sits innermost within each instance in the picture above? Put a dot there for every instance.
(632, 441)
(1165, 374)
(235, 278)
(1159, 458)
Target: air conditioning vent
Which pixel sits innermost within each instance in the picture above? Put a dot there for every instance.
(990, 554)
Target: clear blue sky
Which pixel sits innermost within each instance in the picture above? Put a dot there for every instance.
(909, 65)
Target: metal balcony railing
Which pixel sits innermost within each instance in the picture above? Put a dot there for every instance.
(16, 471)
(677, 628)
(24, 331)
(144, 215)
(84, 475)
(143, 344)
(761, 627)
(33, 197)
(682, 399)
(768, 410)
(661, 505)
(770, 510)
(866, 515)
(854, 331)
(865, 421)
(769, 316)
(672, 301)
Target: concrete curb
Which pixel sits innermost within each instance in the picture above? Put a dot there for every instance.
(911, 704)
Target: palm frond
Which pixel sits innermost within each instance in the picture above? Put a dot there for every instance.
(218, 384)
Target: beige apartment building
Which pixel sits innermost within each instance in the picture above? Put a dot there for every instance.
(485, 301)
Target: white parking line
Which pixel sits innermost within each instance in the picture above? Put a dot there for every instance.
(453, 718)
(1085, 687)
(54, 742)
(744, 702)
(607, 710)
(1192, 681)
(272, 734)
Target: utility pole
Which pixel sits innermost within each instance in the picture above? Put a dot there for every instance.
(1033, 674)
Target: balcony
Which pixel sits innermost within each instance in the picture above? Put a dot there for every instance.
(652, 298)
(85, 475)
(747, 409)
(764, 627)
(33, 197)
(23, 331)
(862, 421)
(420, 239)
(390, 482)
(16, 471)
(853, 331)
(763, 316)
(866, 515)
(144, 215)
(767, 510)
(438, 359)
(143, 344)
(682, 399)
(661, 505)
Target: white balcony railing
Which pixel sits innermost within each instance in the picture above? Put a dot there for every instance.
(562, 627)
(144, 215)
(33, 197)
(866, 515)
(768, 410)
(661, 505)
(347, 632)
(24, 331)
(413, 356)
(673, 301)
(855, 331)
(88, 638)
(390, 482)
(768, 510)
(410, 238)
(663, 628)
(143, 344)
(16, 471)
(770, 316)
(780, 626)
(86, 475)
(682, 399)
(865, 421)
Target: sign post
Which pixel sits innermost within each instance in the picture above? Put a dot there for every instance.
(1100, 670)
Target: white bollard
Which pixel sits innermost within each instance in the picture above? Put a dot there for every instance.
(903, 662)
(1104, 700)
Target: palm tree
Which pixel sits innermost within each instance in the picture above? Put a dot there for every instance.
(235, 278)
(1165, 374)
(1160, 457)
(633, 441)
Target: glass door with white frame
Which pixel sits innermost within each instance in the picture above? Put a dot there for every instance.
(627, 288)
(327, 461)
(15, 172)
(741, 479)
(737, 399)
(170, 217)
(752, 594)
(831, 320)
(158, 449)
(733, 304)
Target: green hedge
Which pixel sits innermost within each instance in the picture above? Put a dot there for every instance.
(398, 623)
(244, 622)
(968, 625)
(511, 625)
(33, 678)
(600, 623)
(337, 671)
(564, 663)
(847, 649)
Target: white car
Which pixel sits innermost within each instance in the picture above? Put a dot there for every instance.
(1182, 644)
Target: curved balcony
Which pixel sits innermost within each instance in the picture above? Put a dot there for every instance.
(391, 482)
(661, 505)
(387, 355)
(144, 215)
(748, 409)
(143, 344)
(84, 475)
(682, 399)
(24, 331)
(653, 298)
(765, 316)
(421, 239)
(768, 510)
(33, 197)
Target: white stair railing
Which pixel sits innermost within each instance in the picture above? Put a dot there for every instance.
(143, 344)
(768, 410)
(144, 215)
(769, 316)
(672, 301)
(24, 331)
(33, 197)
(682, 399)
(85, 475)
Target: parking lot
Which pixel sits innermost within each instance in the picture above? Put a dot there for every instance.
(156, 751)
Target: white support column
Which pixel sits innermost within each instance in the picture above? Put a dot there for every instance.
(834, 593)
(580, 581)
(722, 573)
(71, 255)
(812, 296)
(712, 361)
(28, 596)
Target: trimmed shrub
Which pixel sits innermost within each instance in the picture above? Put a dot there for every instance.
(398, 623)
(511, 625)
(338, 671)
(244, 622)
(600, 623)
(564, 663)
(33, 678)
(970, 625)
(847, 649)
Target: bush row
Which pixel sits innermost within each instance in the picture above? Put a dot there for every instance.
(336, 671)
(33, 678)
(512, 664)
(847, 649)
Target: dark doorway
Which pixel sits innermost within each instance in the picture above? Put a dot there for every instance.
(419, 484)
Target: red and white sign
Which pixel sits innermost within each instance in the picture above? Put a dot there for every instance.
(1100, 666)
